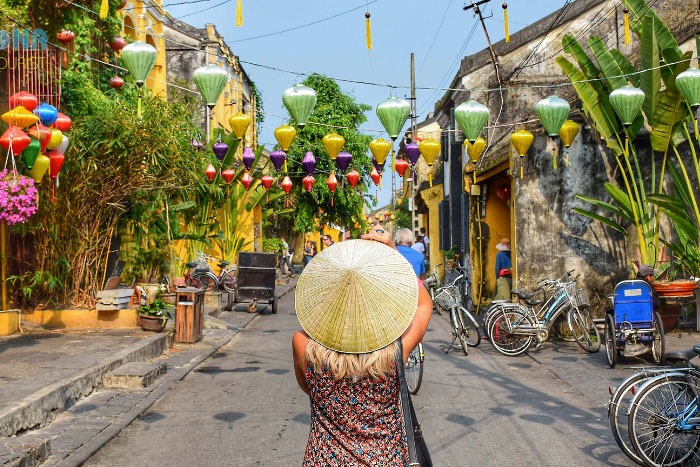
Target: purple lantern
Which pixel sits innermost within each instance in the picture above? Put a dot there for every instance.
(412, 152)
(278, 157)
(220, 149)
(196, 145)
(343, 161)
(377, 166)
(309, 163)
(248, 157)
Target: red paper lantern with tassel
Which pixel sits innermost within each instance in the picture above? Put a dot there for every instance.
(267, 182)
(246, 180)
(63, 122)
(332, 183)
(56, 160)
(401, 166)
(308, 182)
(117, 82)
(211, 172)
(25, 99)
(16, 139)
(42, 134)
(375, 175)
(287, 184)
(353, 177)
(117, 43)
(228, 175)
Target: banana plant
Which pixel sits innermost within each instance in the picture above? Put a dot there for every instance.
(665, 112)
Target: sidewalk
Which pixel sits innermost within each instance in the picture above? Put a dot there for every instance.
(51, 407)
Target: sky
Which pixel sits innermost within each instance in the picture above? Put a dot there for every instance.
(435, 30)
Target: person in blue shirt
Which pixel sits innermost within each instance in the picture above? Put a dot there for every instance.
(404, 240)
(504, 275)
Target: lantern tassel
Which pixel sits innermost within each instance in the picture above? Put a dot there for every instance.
(53, 193)
(285, 166)
(239, 14)
(138, 104)
(554, 159)
(342, 183)
(369, 31)
(695, 120)
(567, 157)
(505, 20)
(332, 199)
(430, 180)
(380, 181)
(627, 25)
(521, 169)
(104, 9)
(393, 161)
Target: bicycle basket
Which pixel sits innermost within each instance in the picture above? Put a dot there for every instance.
(447, 297)
(578, 297)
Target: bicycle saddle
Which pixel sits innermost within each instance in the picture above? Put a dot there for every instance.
(682, 354)
(533, 302)
(223, 264)
(201, 270)
(522, 294)
(192, 264)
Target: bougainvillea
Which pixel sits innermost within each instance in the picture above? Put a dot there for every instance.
(18, 198)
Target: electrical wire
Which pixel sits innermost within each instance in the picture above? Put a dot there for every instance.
(205, 9)
(432, 43)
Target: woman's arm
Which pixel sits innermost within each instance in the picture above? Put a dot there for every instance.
(299, 342)
(414, 334)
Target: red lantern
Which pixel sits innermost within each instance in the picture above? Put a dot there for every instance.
(117, 43)
(375, 175)
(401, 166)
(25, 99)
(332, 183)
(287, 184)
(503, 192)
(56, 160)
(65, 36)
(353, 177)
(267, 181)
(117, 82)
(15, 138)
(63, 122)
(246, 180)
(228, 175)
(211, 172)
(42, 134)
(308, 182)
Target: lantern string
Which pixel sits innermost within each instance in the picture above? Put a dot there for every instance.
(505, 21)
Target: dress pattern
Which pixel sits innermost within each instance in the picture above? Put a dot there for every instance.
(355, 423)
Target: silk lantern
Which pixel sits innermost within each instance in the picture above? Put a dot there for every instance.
(246, 180)
(343, 161)
(42, 134)
(63, 147)
(503, 192)
(278, 158)
(285, 135)
(393, 114)
(429, 149)
(63, 122)
(116, 82)
(309, 162)
(220, 149)
(567, 133)
(248, 157)
(210, 81)
(521, 141)
(267, 181)
(308, 182)
(19, 117)
(286, 184)
(333, 143)
(25, 99)
(139, 58)
(228, 175)
(413, 152)
(117, 43)
(688, 83)
(474, 151)
(353, 177)
(65, 37)
(55, 139)
(30, 154)
(471, 116)
(15, 140)
(401, 166)
(380, 149)
(332, 183)
(300, 101)
(56, 160)
(377, 165)
(210, 172)
(47, 113)
(41, 165)
(239, 124)
(627, 101)
(376, 178)
(552, 112)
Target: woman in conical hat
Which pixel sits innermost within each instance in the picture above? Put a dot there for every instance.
(354, 301)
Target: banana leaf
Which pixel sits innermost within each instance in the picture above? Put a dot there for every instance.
(626, 66)
(606, 206)
(608, 66)
(650, 81)
(604, 220)
(622, 199)
(571, 46)
(639, 11)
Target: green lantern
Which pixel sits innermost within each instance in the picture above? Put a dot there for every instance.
(393, 114)
(552, 112)
(688, 83)
(210, 81)
(627, 102)
(139, 58)
(471, 116)
(300, 101)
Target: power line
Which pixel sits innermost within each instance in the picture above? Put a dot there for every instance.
(432, 43)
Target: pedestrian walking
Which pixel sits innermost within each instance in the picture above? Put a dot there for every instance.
(419, 246)
(286, 258)
(504, 274)
(404, 245)
(358, 307)
(426, 242)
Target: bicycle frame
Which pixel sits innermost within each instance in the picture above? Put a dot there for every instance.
(688, 420)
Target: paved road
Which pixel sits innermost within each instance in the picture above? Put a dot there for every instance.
(242, 407)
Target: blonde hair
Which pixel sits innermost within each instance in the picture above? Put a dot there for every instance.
(375, 365)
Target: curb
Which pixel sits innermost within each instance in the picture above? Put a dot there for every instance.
(41, 407)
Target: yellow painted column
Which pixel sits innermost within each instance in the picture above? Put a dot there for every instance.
(3, 247)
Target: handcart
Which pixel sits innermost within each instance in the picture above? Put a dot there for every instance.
(633, 327)
(256, 279)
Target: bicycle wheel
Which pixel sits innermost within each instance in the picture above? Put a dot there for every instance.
(560, 329)
(618, 410)
(458, 331)
(228, 281)
(658, 345)
(610, 340)
(584, 329)
(655, 423)
(470, 328)
(203, 281)
(504, 336)
(413, 369)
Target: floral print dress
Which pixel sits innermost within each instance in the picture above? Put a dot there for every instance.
(355, 423)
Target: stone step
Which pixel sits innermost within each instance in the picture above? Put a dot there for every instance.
(115, 293)
(134, 375)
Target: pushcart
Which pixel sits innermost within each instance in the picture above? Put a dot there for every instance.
(256, 279)
(633, 327)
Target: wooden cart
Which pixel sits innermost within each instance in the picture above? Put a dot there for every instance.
(256, 279)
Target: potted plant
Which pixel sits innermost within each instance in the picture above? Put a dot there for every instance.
(449, 257)
(155, 315)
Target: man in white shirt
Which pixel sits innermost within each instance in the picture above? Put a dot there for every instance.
(426, 241)
(419, 246)
(286, 258)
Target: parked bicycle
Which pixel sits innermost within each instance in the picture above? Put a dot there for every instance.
(464, 326)
(432, 283)
(512, 327)
(413, 368)
(204, 278)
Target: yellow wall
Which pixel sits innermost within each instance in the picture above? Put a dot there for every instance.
(9, 322)
(432, 197)
(81, 319)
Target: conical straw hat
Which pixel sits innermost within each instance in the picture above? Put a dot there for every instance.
(356, 296)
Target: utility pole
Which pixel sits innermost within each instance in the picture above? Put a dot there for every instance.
(413, 137)
(477, 10)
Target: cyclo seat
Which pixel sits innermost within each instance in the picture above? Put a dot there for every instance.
(192, 264)
(533, 302)
(223, 264)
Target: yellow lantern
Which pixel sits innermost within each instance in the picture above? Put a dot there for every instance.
(41, 166)
(429, 149)
(380, 150)
(567, 133)
(521, 141)
(333, 143)
(239, 124)
(19, 117)
(56, 138)
(475, 151)
(285, 135)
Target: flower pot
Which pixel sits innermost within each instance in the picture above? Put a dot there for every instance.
(152, 323)
(678, 288)
(151, 292)
(449, 263)
(169, 298)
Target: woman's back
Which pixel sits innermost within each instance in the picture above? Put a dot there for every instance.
(355, 422)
